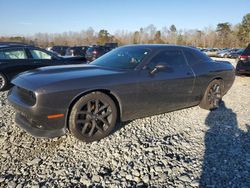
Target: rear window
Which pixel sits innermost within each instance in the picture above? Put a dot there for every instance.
(196, 57)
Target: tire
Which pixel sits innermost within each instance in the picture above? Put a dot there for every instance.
(212, 96)
(93, 117)
(3, 82)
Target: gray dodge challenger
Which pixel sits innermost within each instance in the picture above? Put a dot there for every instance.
(127, 83)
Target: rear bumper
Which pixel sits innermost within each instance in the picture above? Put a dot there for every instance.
(35, 130)
(242, 69)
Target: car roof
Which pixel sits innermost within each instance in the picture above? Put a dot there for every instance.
(160, 46)
(13, 44)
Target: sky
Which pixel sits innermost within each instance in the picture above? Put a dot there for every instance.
(26, 17)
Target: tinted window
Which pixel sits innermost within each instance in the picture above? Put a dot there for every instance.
(13, 54)
(122, 58)
(173, 58)
(192, 58)
(37, 54)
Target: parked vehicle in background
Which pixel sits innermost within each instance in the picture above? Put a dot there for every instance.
(225, 52)
(96, 51)
(127, 83)
(243, 64)
(111, 45)
(77, 51)
(235, 54)
(59, 50)
(16, 58)
(211, 52)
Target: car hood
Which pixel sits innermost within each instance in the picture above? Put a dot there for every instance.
(60, 74)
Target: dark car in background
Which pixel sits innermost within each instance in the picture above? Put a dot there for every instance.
(16, 58)
(225, 52)
(235, 54)
(77, 51)
(59, 50)
(94, 52)
(127, 83)
(111, 45)
(243, 64)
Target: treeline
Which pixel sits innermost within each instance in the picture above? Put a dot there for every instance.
(224, 35)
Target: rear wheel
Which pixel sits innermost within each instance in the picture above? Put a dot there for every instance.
(3, 82)
(213, 95)
(93, 117)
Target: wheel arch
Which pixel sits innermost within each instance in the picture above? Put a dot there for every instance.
(218, 78)
(108, 92)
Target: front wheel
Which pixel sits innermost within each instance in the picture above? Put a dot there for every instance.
(3, 82)
(93, 117)
(213, 95)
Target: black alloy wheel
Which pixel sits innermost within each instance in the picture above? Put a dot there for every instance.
(93, 117)
(213, 95)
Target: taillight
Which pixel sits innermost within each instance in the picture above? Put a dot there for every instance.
(243, 57)
(94, 52)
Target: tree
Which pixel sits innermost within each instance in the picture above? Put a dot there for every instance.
(157, 38)
(244, 30)
(104, 37)
(173, 29)
(136, 37)
(224, 31)
(173, 33)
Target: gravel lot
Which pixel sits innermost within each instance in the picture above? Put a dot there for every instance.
(187, 148)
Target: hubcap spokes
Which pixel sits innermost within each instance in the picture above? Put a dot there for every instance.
(214, 95)
(95, 116)
(2, 82)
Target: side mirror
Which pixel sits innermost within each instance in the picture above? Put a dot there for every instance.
(159, 67)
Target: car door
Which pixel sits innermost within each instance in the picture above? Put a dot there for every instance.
(167, 89)
(14, 60)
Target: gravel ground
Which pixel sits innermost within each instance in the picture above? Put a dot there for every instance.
(187, 148)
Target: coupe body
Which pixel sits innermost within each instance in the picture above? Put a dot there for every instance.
(127, 83)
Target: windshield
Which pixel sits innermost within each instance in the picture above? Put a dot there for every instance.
(122, 58)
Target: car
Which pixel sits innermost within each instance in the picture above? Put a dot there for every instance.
(127, 83)
(243, 63)
(59, 50)
(212, 52)
(111, 45)
(94, 52)
(76, 51)
(225, 52)
(235, 54)
(16, 58)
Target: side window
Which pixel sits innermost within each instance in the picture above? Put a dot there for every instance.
(173, 58)
(37, 54)
(13, 54)
(2, 56)
(191, 58)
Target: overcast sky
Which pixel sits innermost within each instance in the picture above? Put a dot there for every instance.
(27, 17)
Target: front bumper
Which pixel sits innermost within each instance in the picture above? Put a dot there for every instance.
(36, 131)
(34, 119)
